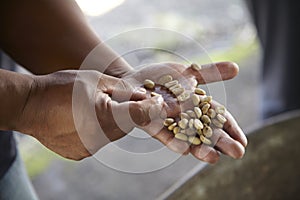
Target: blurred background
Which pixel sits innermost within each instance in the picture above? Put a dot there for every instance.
(225, 31)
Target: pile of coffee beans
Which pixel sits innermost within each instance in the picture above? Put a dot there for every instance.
(195, 125)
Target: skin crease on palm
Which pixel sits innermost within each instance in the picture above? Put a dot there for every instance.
(230, 140)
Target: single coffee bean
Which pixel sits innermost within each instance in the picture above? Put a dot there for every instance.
(165, 79)
(200, 91)
(217, 123)
(191, 113)
(177, 91)
(183, 97)
(205, 108)
(175, 86)
(211, 113)
(171, 83)
(168, 121)
(220, 109)
(207, 131)
(198, 112)
(176, 130)
(198, 124)
(191, 123)
(202, 104)
(196, 67)
(207, 99)
(221, 118)
(183, 123)
(149, 84)
(181, 136)
(205, 119)
(155, 94)
(172, 126)
(184, 116)
(196, 99)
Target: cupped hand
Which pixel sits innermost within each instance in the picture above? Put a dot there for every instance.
(230, 140)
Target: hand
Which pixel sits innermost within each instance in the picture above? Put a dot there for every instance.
(64, 110)
(230, 140)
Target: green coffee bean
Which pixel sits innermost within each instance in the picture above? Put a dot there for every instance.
(155, 94)
(181, 136)
(196, 99)
(205, 108)
(207, 131)
(177, 91)
(207, 99)
(198, 112)
(176, 130)
(202, 104)
(195, 67)
(171, 83)
(198, 124)
(205, 140)
(172, 126)
(217, 123)
(220, 109)
(191, 113)
(194, 140)
(183, 97)
(165, 79)
(184, 116)
(211, 113)
(149, 84)
(205, 119)
(168, 121)
(221, 118)
(200, 91)
(175, 86)
(183, 123)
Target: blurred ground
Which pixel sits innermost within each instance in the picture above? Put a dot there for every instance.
(225, 31)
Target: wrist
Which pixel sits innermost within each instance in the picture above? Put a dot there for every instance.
(22, 121)
(15, 89)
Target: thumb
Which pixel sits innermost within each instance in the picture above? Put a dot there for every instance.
(121, 90)
(130, 114)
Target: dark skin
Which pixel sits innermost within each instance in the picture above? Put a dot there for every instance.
(51, 35)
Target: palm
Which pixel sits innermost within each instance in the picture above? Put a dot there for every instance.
(230, 140)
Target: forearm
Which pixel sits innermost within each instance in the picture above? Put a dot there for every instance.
(14, 90)
(49, 35)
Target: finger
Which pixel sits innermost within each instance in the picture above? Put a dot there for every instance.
(121, 90)
(227, 145)
(130, 114)
(231, 127)
(214, 72)
(234, 130)
(205, 153)
(178, 146)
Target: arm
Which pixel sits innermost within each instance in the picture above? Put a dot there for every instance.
(50, 35)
